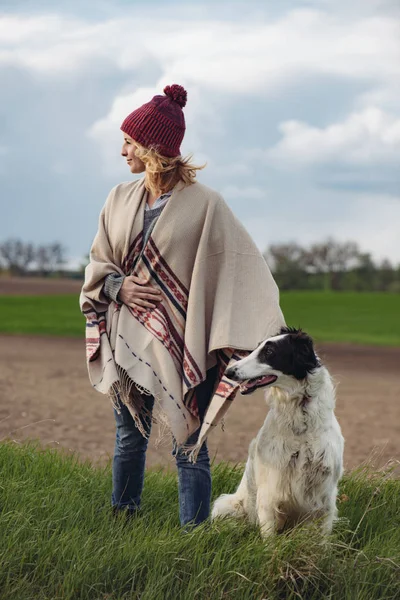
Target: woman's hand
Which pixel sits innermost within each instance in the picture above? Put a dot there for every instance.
(136, 294)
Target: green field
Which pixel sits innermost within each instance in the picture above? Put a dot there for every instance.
(364, 318)
(58, 540)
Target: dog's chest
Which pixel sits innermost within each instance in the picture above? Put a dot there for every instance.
(300, 469)
(292, 454)
(286, 453)
(309, 463)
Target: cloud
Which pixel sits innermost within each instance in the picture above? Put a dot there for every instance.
(373, 223)
(385, 95)
(3, 153)
(44, 44)
(363, 138)
(228, 171)
(237, 57)
(330, 68)
(221, 62)
(17, 29)
(226, 60)
(371, 220)
(233, 192)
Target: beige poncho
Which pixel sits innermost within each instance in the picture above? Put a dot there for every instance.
(218, 300)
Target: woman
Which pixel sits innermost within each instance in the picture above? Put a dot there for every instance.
(175, 290)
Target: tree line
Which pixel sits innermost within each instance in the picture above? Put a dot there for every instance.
(330, 265)
(19, 258)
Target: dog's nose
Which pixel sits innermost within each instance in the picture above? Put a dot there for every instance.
(231, 372)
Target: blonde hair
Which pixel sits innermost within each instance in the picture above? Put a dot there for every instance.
(162, 172)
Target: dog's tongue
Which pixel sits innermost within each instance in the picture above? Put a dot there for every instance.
(251, 384)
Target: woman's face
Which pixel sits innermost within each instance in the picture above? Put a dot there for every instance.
(128, 151)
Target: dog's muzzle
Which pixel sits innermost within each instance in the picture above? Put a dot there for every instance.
(232, 373)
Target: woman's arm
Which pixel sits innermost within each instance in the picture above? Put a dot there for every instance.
(102, 263)
(130, 291)
(112, 285)
(105, 279)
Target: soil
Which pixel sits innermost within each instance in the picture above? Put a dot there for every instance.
(45, 394)
(38, 286)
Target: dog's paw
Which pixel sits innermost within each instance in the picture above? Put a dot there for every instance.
(267, 529)
(224, 506)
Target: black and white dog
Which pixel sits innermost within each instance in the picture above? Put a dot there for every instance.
(296, 460)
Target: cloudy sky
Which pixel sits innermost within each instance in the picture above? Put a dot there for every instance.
(293, 104)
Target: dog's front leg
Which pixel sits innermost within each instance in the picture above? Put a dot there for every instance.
(265, 511)
(329, 518)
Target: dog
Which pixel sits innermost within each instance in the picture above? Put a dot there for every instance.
(296, 460)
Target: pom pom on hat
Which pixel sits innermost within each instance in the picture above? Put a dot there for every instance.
(176, 93)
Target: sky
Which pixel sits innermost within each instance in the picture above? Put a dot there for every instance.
(294, 106)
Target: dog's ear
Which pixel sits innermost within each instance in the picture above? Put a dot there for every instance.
(304, 357)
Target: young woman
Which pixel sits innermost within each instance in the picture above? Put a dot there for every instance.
(175, 291)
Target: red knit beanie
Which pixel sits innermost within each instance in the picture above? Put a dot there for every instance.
(160, 123)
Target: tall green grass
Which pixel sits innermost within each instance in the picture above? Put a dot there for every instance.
(59, 541)
(364, 318)
(42, 315)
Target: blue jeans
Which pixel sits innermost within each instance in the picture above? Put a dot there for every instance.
(194, 480)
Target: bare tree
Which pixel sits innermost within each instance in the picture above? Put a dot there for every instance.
(386, 275)
(17, 256)
(331, 257)
(42, 259)
(49, 259)
(287, 261)
(280, 256)
(56, 256)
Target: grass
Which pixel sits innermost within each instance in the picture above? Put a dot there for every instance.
(43, 315)
(363, 318)
(58, 540)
